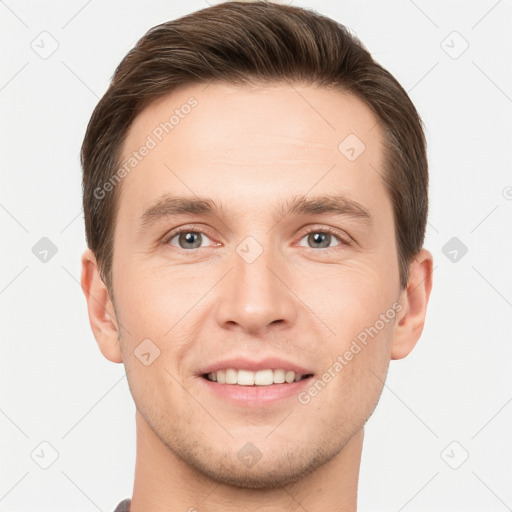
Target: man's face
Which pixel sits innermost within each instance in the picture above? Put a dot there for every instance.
(254, 280)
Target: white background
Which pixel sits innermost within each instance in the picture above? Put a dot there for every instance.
(55, 386)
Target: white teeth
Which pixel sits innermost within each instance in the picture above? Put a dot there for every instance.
(289, 377)
(245, 378)
(263, 377)
(231, 376)
(279, 376)
(249, 378)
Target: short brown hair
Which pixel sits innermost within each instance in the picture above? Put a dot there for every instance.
(247, 43)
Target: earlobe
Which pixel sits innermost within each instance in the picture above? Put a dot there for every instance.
(100, 308)
(414, 300)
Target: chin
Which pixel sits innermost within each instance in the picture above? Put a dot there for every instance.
(289, 467)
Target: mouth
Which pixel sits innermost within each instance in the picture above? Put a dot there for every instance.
(265, 377)
(245, 382)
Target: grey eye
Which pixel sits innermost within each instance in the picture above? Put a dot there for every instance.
(188, 239)
(319, 239)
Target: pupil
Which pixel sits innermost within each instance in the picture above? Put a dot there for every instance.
(188, 238)
(321, 238)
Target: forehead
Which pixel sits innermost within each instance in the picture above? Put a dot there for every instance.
(251, 143)
(280, 110)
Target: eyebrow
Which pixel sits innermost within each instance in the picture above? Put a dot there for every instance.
(173, 205)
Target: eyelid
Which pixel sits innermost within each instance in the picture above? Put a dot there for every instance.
(343, 237)
(185, 228)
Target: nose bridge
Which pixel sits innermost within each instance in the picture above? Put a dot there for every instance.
(252, 269)
(253, 296)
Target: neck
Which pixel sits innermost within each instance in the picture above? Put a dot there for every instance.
(164, 482)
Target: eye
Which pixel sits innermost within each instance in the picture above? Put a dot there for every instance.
(321, 238)
(187, 239)
(316, 238)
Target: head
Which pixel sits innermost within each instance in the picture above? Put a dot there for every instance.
(295, 167)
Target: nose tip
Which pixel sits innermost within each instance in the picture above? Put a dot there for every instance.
(254, 298)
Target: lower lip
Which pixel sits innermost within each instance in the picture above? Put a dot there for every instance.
(256, 395)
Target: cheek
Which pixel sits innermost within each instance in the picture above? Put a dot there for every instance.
(358, 362)
(167, 307)
(153, 299)
(346, 297)
(358, 305)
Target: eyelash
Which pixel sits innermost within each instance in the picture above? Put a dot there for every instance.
(343, 241)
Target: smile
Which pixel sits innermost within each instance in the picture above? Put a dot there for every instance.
(258, 378)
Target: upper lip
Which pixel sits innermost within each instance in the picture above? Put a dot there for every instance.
(243, 363)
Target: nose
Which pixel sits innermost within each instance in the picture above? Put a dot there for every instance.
(255, 296)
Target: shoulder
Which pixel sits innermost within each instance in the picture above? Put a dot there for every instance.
(124, 506)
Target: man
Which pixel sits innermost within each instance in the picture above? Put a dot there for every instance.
(255, 198)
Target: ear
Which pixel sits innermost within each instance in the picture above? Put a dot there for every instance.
(101, 310)
(414, 299)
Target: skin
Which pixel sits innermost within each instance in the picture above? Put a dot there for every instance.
(252, 148)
